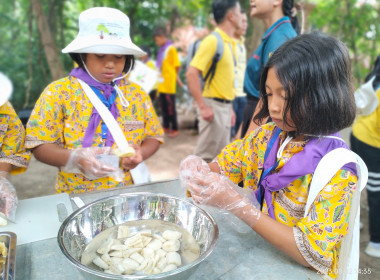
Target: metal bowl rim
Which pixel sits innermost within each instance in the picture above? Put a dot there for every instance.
(152, 276)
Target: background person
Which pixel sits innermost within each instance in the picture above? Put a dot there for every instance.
(65, 130)
(279, 18)
(241, 55)
(14, 159)
(365, 141)
(168, 64)
(215, 113)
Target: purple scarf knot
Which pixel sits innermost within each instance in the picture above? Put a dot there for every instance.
(161, 53)
(300, 164)
(95, 118)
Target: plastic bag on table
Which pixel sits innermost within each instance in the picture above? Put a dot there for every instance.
(8, 199)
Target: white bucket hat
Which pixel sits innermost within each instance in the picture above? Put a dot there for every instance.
(6, 89)
(103, 30)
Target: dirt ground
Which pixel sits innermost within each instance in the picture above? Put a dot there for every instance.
(39, 179)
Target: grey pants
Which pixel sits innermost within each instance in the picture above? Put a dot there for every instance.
(214, 135)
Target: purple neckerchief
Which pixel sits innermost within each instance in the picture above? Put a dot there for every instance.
(95, 117)
(161, 53)
(300, 164)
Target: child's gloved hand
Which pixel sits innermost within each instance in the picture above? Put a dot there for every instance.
(86, 161)
(192, 166)
(8, 199)
(216, 190)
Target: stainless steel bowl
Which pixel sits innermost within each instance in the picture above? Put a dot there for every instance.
(84, 224)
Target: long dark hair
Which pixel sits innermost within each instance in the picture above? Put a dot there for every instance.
(287, 9)
(315, 71)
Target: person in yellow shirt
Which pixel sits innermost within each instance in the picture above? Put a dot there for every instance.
(67, 131)
(216, 115)
(168, 64)
(14, 159)
(365, 141)
(276, 163)
(241, 55)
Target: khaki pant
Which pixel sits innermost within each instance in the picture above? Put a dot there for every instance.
(214, 135)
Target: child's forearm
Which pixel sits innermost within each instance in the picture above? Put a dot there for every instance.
(51, 154)
(149, 147)
(6, 167)
(279, 235)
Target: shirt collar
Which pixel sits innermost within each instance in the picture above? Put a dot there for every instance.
(275, 25)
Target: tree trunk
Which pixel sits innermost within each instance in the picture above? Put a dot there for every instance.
(252, 42)
(48, 43)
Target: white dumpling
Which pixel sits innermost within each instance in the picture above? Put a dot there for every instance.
(105, 247)
(129, 263)
(100, 263)
(156, 271)
(130, 251)
(161, 264)
(145, 240)
(150, 266)
(169, 267)
(155, 244)
(159, 237)
(119, 247)
(137, 257)
(160, 253)
(132, 241)
(147, 253)
(106, 258)
(173, 258)
(117, 268)
(171, 234)
(123, 232)
(118, 254)
(145, 232)
(171, 245)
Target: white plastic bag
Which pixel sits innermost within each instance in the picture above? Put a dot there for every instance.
(366, 99)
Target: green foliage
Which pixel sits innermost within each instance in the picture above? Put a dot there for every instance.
(358, 26)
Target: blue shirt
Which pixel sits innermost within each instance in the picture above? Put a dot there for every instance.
(281, 31)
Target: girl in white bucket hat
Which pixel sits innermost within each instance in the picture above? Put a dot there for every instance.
(69, 130)
(14, 158)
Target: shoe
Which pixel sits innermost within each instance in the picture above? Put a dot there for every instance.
(167, 130)
(372, 251)
(173, 133)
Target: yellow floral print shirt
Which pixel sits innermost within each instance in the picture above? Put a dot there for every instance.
(12, 136)
(318, 236)
(61, 116)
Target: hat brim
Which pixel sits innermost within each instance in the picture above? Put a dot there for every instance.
(80, 45)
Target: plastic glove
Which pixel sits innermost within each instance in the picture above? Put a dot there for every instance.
(8, 199)
(191, 166)
(217, 190)
(94, 163)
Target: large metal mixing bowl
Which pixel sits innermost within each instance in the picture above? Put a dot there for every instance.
(84, 224)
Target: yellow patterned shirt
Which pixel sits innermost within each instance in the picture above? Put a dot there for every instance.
(12, 136)
(61, 116)
(318, 236)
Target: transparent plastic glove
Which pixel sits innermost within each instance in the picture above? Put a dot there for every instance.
(8, 199)
(217, 190)
(189, 167)
(94, 163)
